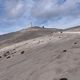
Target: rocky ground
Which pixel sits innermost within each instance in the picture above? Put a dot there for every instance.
(52, 57)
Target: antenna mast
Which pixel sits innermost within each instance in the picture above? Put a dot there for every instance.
(31, 24)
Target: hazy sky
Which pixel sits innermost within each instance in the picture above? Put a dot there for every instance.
(17, 14)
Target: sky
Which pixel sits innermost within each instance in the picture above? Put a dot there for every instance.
(18, 14)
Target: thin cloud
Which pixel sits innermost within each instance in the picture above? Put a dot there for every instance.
(47, 9)
(41, 12)
(12, 9)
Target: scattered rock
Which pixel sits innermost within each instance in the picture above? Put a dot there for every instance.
(12, 53)
(60, 37)
(14, 49)
(63, 79)
(6, 54)
(75, 43)
(34, 40)
(61, 32)
(0, 56)
(22, 52)
(65, 50)
(8, 57)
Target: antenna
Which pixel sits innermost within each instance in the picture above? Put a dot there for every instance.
(31, 24)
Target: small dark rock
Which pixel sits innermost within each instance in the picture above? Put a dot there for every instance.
(75, 43)
(61, 32)
(12, 53)
(64, 50)
(60, 37)
(63, 79)
(22, 52)
(0, 56)
(8, 57)
(6, 54)
(13, 49)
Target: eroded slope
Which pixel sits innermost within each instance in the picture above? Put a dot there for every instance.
(45, 58)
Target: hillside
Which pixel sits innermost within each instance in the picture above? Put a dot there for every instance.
(25, 34)
(40, 54)
(73, 29)
(50, 57)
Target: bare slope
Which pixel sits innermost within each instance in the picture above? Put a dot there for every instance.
(73, 29)
(25, 34)
(48, 57)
